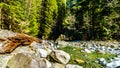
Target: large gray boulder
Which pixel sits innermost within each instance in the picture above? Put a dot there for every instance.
(60, 56)
(58, 65)
(37, 64)
(19, 61)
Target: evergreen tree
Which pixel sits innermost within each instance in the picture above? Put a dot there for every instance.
(58, 26)
(48, 17)
(31, 25)
(7, 16)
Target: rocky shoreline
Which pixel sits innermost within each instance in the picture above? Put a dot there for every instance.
(45, 54)
(91, 46)
(23, 51)
(102, 47)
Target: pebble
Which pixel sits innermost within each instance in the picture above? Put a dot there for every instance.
(87, 51)
(102, 61)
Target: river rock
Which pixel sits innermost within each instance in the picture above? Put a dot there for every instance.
(35, 45)
(19, 61)
(4, 60)
(113, 64)
(58, 65)
(102, 61)
(23, 49)
(60, 56)
(43, 53)
(73, 66)
(87, 51)
(38, 63)
(40, 49)
(48, 64)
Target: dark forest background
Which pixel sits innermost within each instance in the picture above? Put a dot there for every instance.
(63, 19)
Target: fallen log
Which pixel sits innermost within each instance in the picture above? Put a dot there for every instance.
(9, 43)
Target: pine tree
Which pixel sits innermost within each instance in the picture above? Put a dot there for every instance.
(31, 24)
(7, 16)
(48, 17)
(58, 26)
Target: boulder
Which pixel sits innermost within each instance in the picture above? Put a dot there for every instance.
(35, 45)
(48, 64)
(60, 56)
(43, 53)
(23, 49)
(4, 34)
(40, 49)
(58, 65)
(40, 63)
(19, 61)
(73, 66)
(4, 60)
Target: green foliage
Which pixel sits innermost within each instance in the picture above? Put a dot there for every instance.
(57, 28)
(48, 17)
(7, 20)
(97, 20)
(21, 16)
(31, 24)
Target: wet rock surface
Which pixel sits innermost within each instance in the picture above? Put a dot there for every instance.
(60, 56)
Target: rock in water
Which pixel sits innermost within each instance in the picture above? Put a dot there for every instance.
(60, 56)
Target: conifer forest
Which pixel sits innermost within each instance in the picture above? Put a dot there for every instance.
(64, 19)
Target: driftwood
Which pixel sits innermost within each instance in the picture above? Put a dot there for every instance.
(10, 43)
